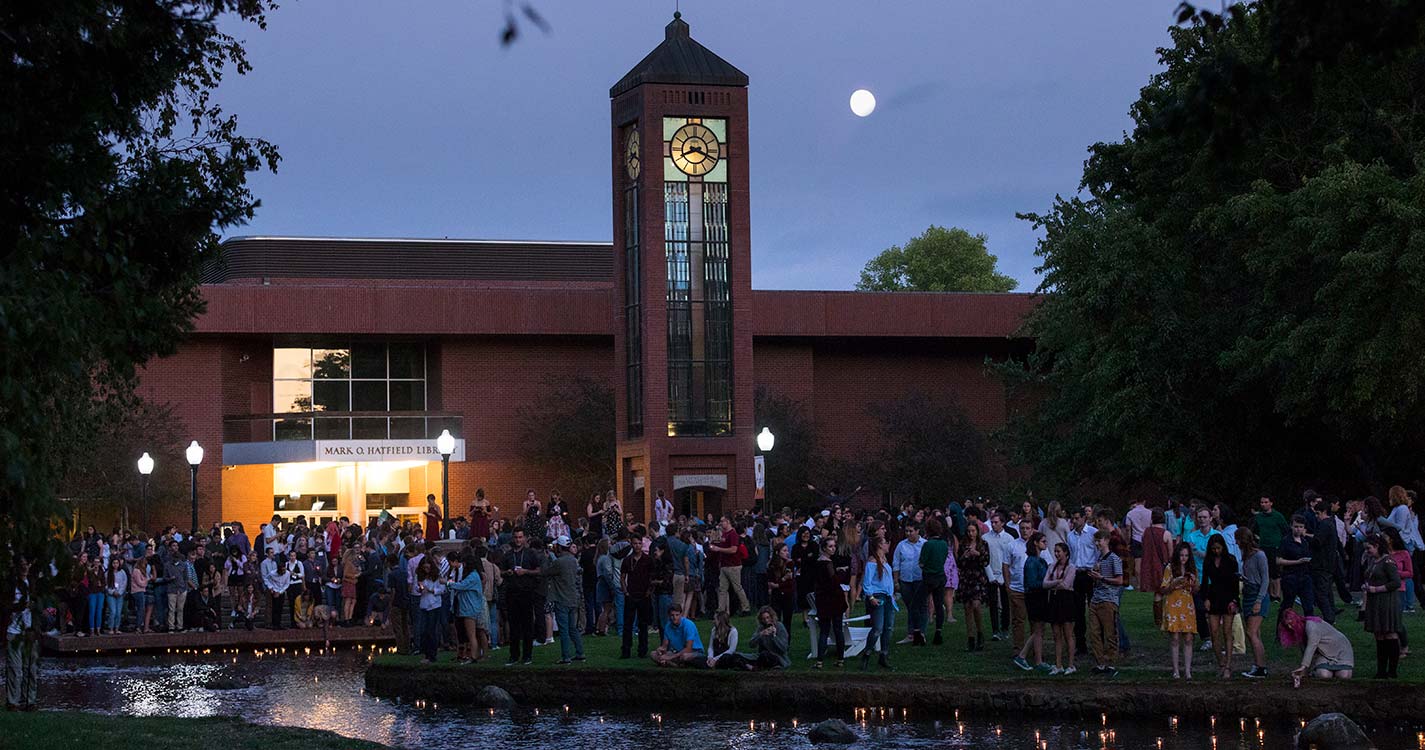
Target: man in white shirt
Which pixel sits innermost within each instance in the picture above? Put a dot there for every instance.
(999, 542)
(905, 566)
(1083, 555)
(1014, 557)
(274, 582)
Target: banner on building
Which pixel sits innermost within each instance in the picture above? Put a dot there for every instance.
(759, 472)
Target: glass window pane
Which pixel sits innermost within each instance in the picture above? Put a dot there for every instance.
(333, 428)
(331, 395)
(368, 395)
(292, 429)
(407, 428)
(368, 428)
(291, 395)
(408, 361)
(368, 361)
(408, 395)
(331, 363)
(291, 363)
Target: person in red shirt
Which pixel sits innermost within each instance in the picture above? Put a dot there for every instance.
(730, 571)
(433, 519)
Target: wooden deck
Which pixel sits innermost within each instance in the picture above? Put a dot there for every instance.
(241, 639)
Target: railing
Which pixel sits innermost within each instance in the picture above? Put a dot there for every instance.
(340, 425)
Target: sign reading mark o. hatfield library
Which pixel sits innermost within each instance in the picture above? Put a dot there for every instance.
(336, 451)
(384, 450)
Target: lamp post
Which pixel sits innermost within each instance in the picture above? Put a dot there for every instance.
(145, 468)
(765, 441)
(194, 455)
(445, 444)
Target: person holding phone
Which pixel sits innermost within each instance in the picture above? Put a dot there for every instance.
(1220, 589)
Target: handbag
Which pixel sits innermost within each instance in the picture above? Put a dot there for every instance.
(1239, 637)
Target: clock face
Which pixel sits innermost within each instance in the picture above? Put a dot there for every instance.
(694, 149)
(631, 154)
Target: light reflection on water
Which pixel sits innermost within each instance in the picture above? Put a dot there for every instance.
(283, 691)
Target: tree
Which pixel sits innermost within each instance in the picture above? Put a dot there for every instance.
(567, 430)
(925, 447)
(119, 171)
(1234, 302)
(105, 485)
(940, 260)
(794, 456)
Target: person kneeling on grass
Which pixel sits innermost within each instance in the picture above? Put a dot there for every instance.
(681, 644)
(1326, 651)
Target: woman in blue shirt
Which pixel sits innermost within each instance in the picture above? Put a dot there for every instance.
(471, 612)
(878, 588)
(1036, 602)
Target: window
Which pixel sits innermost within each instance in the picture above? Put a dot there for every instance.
(633, 311)
(332, 383)
(699, 292)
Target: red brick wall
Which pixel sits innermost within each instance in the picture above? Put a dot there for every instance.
(191, 382)
(488, 379)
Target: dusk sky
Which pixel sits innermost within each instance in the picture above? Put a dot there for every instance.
(408, 119)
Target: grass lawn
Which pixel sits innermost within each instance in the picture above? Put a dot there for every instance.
(77, 729)
(1147, 660)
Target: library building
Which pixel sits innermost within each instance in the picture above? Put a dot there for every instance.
(325, 369)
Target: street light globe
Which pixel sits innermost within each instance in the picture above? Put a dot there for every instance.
(145, 464)
(765, 439)
(445, 444)
(194, 453)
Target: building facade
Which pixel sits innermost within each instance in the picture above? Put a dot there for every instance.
(325, 368)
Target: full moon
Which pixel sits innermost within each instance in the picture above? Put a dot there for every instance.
(863, 102)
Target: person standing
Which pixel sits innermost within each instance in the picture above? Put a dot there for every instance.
(878, 586)
(1083, 555)
(521, 573)
(1137, 521)
(1016, 553)
(1180, 581)
(564, 580)
(905, 565)
(999, 541)
(1382, 606)
(274, 582)
(662, 513)
(1059, 582)
(1271, 528)
(1036, 602)
(1256, 603)
(1220, 590)
(430, 587)
(1294, 567)
(1107, 576)
(22, 646)
(932, 571)
(637, 585)
(1155, 550)
(973, 562)
(830, 604)
(432, 518)
(1326, 555)
(729, 548)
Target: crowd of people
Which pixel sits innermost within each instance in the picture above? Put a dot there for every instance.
(1036, 574)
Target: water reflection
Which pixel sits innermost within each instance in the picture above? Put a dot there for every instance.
(326, 692)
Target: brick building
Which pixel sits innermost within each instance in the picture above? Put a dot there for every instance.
(325, 368)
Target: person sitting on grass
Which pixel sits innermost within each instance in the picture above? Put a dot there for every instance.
(681, 644)
(1326, 651)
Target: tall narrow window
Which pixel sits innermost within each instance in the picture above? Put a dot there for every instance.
(633, 291)
(699, 296)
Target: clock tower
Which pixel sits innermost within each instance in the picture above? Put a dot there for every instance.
(682, 272)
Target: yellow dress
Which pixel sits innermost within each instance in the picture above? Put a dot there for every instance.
(1179, 614)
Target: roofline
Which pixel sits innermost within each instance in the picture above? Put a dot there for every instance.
(413, 240)
(899, 292)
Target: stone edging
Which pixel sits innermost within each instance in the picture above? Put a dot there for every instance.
(668, 689)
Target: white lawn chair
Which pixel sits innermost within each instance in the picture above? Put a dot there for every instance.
(855, 637)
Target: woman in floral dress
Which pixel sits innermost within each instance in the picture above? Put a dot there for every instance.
(1179, 614)
(971, 560)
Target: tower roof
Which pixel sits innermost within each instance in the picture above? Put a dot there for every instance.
(680, 59)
